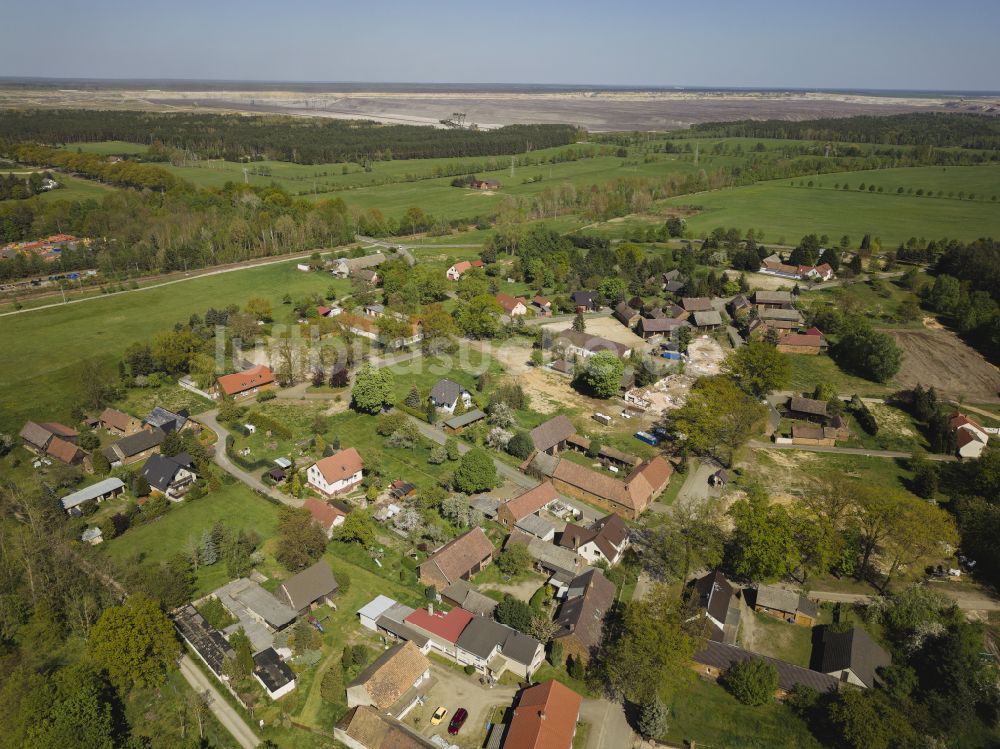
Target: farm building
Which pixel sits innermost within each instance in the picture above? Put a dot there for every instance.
(386, 681)
(459, 559)
(102, 490)
(313, 585)
(853, 657)
(119, 423)
(786, 605)
(530, 502)
(581, 616)
(605, 540)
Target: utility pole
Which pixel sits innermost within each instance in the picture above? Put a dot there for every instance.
(696, 153)
(246, 179)
(512, 160)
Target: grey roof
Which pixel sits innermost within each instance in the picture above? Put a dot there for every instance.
(481, 636)
(402, 630)
(160, 470)
(711, 317)
(308, 586)
(463, 420)
(365, 261)
(624, 313)
(674, 287)
(91, 534)
(35, 434)
(590, 342)
(807, 406)
(376, 607)
(254, 598)
(772, 297)
(583, 297)
(591, 596)
(139, 442)
(544, 463)
(722, 656)
(271, 670)
(553, 558)
(535, 525)
(854, 650)
(486, 505)
(209, 643)
(672, 275)
(780, 599)
(552, 432)
(662, 324)
(696, 303)
(168, 421)
(464, 594)
(91, 492)
(445, 391)
(790, 315)
(715, 592)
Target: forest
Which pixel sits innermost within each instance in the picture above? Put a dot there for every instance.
(919, 129)
(293, 139)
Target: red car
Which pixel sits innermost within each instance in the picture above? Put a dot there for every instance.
(458, 720)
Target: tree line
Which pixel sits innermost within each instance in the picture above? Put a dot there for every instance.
(295, 139)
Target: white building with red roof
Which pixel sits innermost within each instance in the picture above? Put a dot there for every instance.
(336, 474)
(970, 436)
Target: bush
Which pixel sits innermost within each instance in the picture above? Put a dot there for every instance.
(470, 670)
(752, 682)
(520, 445)
(267, 395)
(863, 415)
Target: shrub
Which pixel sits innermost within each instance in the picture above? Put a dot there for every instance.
(752, 682)
(470, 669)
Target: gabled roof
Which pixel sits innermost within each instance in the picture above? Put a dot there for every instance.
(607, 533)
(591, 343)
(160, 471)
(35, 434)
(91, 492)
(541, 301)
(62, 450)
(369, 728)
(772, 297)
(447, 626)
(323, 513)
(457, 557)
(801, 341)
(139, 442)
(341, 465)
(535, 525)
(550, 433)
(462, 420)
(807, 406)
(470, 599)
(532, 500)
(239, 382)
(591, 596)
(562, 562)
(168, 421)
(854, 650)
(117, 419)
(715, 592)
(788, 315)
(545, 717)
(662, 324)
(697, 303)
(446, 391)
(624, 313)
(391, 675)
(310, 585)
(648, 479)
(780, 599)
(722, 657)
(583, 297)
(483, 636)
(271, 670)
(508, 302)
(957, 420)
(60, 430)
(708, 317)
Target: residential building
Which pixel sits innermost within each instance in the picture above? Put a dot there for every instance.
(246, 384)
(323, 311)
(697, 304)
(446, 393)
(493, 648)
(166, 420)
(527, 503)
(273, 674)
(629, 497)
(550, 436)
(584, 301)
(626, 315)
(545, 718)
(970, 436)
(605, 540)
(102, 490)
(346, 266)
(441, 629)
(853, 657)
(512, 306)
(336, 474)
(459, 559)
(581, 615)
(119, 423)
(366, 728)
(561, 564)
(738, 306)
(455, 272)
(664, 326)
(463, 594)
(37, 436)
(394, 674)
(326, 515)
(135, 447)
(573, 343)
(714, 659)
(786, 605)
(806, 409)
(542, 306)
(717, 596)
(170, 476)
(315, 585)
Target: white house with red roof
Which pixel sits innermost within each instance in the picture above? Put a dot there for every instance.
(970, 436)
(513, 306)
(455, 272)
(336, 474)
(324, 514)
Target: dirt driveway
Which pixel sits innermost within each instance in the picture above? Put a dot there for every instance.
(938, 357)
(453, 690)
(605, 327)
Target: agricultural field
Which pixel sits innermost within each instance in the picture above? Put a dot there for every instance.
(934, 356)
(108, 148)
(43, 347)
(785, 211)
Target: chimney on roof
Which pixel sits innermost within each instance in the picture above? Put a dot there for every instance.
(541, 714)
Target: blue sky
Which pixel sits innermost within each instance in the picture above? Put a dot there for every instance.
(846, 44)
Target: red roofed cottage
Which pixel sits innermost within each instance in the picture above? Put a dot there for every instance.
(336, 474)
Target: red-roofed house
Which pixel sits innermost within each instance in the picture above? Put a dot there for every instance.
(325, 515)
(441, 630)
(629, 498)
(513, 306)
(545, 718)
(458, 559)
(543, 307)
(455, 272)
(528, 503)
(970, 436)
(248, 383)
(336, 474)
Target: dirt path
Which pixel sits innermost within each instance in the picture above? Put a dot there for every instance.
(758, 445)
(228, 717)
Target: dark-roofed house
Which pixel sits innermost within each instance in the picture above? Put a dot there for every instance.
(170, 476)
(665, 326)
(545, 718)
(786, 605)
(367, 728)
(853, 657)
(738, 306)
(581, 616)
(626, 315)
(722, 609)
(772, 299)
(53, 439)
(605, 540)
(527, 503)
(464, 594)
(207, 642)
(384, 683)
(446, 393)
(459, 559)
(706, 320)
(715, 658)
(273, 674)
(314, 585)
(119, 423)
(806, 409)
(135, 447)
(493, 648)
(697, 304)
(550, 436)
(584, 300)
(561, 563)
(166, 420)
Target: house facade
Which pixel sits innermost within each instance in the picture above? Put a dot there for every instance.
(459, 559)
(446, 394)
(336, 474)
(527, 503)
(246, 384)
(454, 273)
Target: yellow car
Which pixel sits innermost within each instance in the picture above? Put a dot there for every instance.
(439, 715)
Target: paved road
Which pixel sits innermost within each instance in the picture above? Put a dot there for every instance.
(608, 727)
(228, 717)
(759, 445)
(209, 419)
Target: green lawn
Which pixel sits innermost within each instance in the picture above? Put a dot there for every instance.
(75, 189)
(787, 642)
(42, 347)
(809, 371)
(704, 712)
(784, 211)
(108, 148)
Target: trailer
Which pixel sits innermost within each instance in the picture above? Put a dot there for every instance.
(603, 419)
(647, 438)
